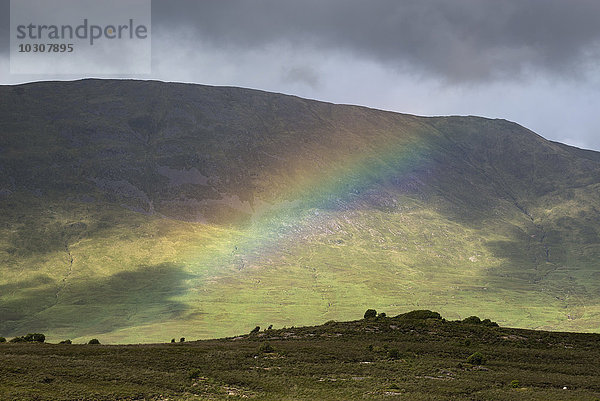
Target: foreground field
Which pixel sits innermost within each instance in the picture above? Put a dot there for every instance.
(380, 358)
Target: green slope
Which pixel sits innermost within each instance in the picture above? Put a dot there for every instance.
(139, 211)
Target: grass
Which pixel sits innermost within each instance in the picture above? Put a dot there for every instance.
(381, 358)
(162, 273)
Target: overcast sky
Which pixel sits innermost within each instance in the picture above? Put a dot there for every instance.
(536, 62)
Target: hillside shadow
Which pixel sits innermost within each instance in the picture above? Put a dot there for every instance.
(125, 299)
(36, 234)
(34, 282)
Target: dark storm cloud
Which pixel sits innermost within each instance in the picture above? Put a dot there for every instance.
(458, 40)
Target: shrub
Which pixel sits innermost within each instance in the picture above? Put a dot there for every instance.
(30, 338)
(255, 330)
(420, 314)
(477, 320)
(489, 323)
(35, 338)
(270, 327)
(378, 349)
(194, 374)
(515, 384)
(266, 348)
(65, 342)
(370, 313)
(2, 340)
(182, 340)
(476, 358)
(94, 341)
(381, 315)
(393, 354)
(472, 320)
(172, 340)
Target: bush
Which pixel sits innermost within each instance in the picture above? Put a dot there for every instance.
(489, 323)
(370, 313)
(255, 330)
(393, 354)
(2, 340)
(94, 341)
(194, 374)
(65, 342)
(182, 340)
(515, 384)
(472, 320)
(476, 359)
(476, 320)
(266, 348)
(36, 337)
(379, 349)
(30, 338)
(381, 315)
(420, 314)
(172, 340)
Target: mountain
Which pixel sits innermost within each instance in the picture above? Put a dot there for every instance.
(140, 210)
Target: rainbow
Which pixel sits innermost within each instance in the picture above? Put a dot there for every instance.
(291, 217)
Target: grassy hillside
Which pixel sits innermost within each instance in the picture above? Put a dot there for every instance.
(136, 211)
(383, 358)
